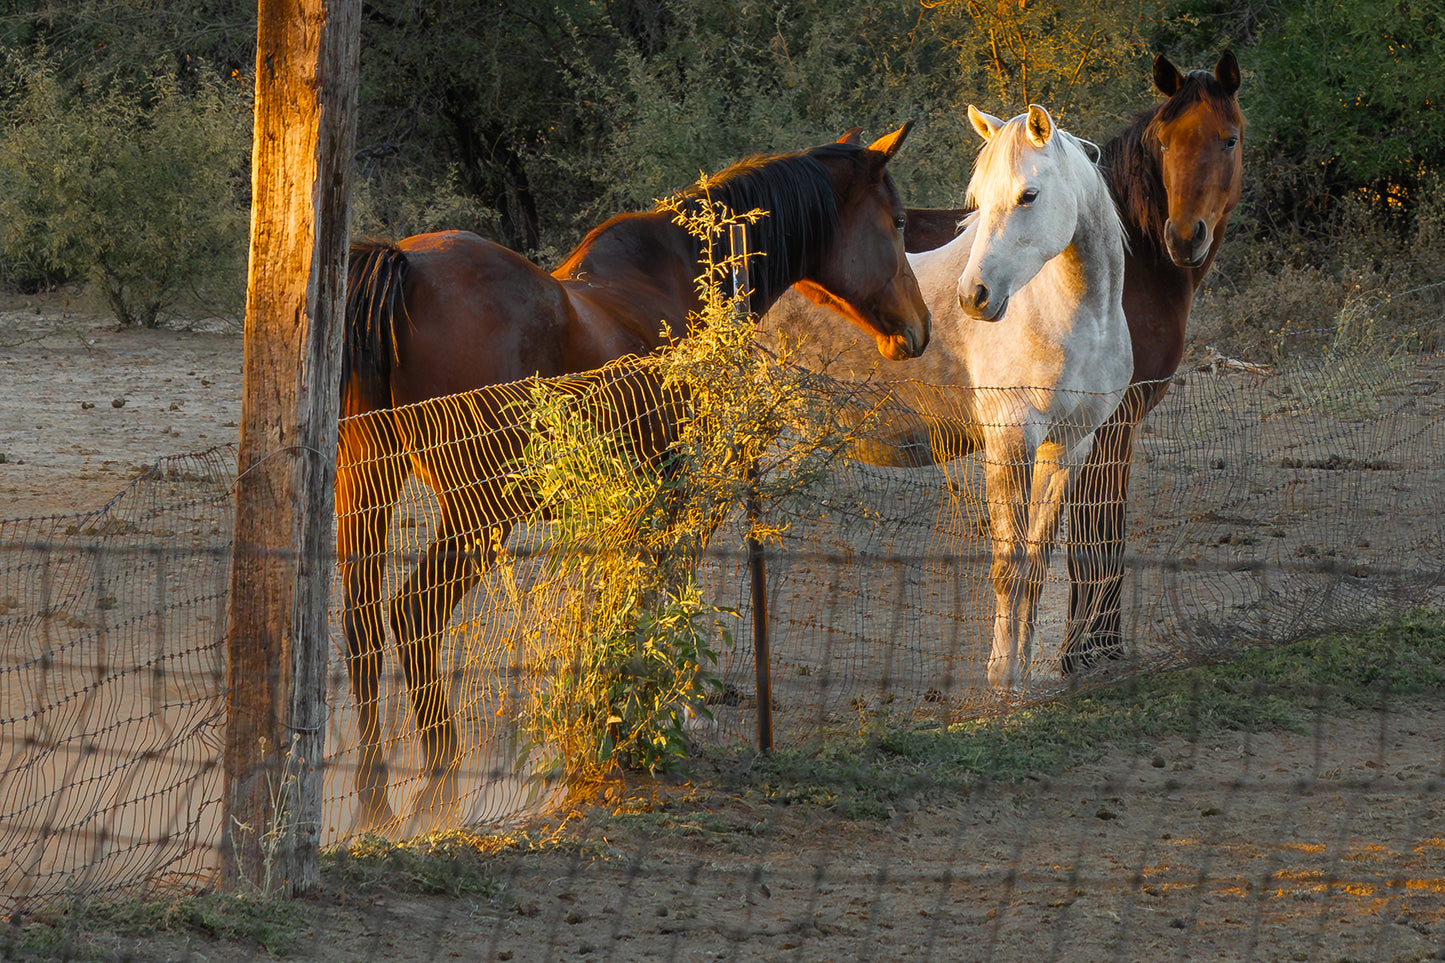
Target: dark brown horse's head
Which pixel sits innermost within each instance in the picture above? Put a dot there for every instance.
(1199, 135)
(864, 274)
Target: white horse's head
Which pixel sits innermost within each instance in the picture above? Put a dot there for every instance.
(1029, 184)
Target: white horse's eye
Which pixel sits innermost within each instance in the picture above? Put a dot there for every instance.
(1029, 195)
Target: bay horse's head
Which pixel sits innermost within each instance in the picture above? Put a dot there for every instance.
(1034, 188)
(1197, 136)
(864, 273)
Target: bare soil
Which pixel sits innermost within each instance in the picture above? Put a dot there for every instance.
(1325, 845)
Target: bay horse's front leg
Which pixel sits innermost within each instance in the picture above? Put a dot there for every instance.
(368, 480)
(1008, 472)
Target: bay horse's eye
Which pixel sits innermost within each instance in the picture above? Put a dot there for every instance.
(901, 221)
(1029, 195)
(1231, 142)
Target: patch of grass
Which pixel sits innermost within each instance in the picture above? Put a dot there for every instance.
(88, 930)
(452, 863)
(1260, 689)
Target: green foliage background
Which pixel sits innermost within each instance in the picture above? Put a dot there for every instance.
(532, 120)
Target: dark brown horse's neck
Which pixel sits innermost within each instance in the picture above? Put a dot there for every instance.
(1158, 295)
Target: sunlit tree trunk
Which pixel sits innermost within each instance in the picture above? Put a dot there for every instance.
(306, 68)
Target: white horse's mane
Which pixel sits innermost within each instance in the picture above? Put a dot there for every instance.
(998, 158)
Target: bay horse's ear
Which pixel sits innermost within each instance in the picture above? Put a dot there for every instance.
(1167, 76)
(986, 124)
(888, 144)
(1227, 72)
(1040, 126)
(853, 135)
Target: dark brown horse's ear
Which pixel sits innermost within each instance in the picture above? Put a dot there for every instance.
(1167, 76)
(888, 144)
(1227, 72)
(853, 135)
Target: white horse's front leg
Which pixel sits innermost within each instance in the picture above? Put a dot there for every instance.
(1055, 469)
(1008, 471)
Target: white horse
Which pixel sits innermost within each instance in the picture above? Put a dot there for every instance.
(1030, 352)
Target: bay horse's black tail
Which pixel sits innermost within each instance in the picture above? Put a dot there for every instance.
(375, 278)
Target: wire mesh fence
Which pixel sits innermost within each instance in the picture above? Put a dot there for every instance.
(1265, 505)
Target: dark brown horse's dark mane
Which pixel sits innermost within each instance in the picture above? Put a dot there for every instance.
(1130, 159)
(797, 192)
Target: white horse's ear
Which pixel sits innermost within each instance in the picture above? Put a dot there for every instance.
(1040, 126)
(1091, 149)
(986, 124)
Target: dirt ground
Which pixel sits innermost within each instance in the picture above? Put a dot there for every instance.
(1326, 845)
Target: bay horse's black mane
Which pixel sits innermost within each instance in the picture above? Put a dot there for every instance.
(1130, 159)
(797, 192)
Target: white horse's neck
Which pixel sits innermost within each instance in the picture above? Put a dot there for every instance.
(1089, 274)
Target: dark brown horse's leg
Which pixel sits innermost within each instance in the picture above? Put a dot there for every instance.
(368, 480)
(1096, 545)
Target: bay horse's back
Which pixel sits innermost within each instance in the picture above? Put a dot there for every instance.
(438, 314)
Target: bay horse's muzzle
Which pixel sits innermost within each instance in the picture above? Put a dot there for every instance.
(907, 343)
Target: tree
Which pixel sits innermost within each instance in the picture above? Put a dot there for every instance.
(1345, 103)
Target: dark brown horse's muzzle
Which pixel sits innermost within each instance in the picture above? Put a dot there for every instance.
(1187, 251)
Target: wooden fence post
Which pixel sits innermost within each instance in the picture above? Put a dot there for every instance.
(284, 549)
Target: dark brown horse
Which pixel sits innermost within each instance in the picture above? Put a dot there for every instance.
(1176, 174)
(440, 314)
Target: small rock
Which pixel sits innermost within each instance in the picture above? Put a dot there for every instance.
(117, 402)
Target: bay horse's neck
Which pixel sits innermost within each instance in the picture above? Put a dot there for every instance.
(796, 191)
(637, 254)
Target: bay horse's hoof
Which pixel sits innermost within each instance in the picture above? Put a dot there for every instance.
(375, 817)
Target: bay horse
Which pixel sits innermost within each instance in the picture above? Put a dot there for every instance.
(1030, 353)
(440, 314)
(1176, 173)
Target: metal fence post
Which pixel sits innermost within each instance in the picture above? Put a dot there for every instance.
(757, 566)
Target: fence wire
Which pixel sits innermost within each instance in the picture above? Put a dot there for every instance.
(1265, 505)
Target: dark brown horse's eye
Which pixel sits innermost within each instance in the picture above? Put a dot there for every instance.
(901, 221)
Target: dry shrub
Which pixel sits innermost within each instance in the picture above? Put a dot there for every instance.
(1281, 294)
(1274, 308)
(620, 642)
